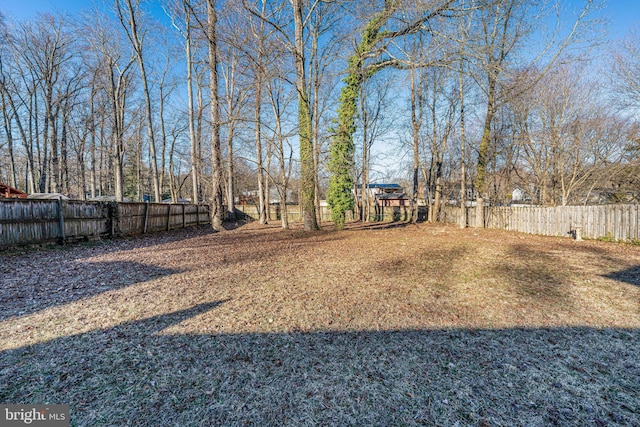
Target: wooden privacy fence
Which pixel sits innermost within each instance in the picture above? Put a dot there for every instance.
(376, 213)
(27, 222)
(620, 222)
(294, 212)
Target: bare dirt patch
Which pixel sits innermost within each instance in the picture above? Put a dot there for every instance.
(374, 325)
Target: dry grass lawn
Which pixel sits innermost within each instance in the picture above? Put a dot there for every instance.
(374, 325)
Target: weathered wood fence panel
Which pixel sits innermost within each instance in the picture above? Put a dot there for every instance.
(27, 222)
(23, 220)
(85, 219)
(620, 222)
(131, 218)
(294, 213)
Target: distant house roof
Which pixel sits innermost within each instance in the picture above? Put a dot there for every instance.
(107, 199)
(392, 196)
(180, 201)
(9, 192)
(48, 196)
(382, 186)
(391, 199)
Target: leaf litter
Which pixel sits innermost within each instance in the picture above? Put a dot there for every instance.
(374, 325)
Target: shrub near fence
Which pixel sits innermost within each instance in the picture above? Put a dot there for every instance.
(28, 222)
(619, 222)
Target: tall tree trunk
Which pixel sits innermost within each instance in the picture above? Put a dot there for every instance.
(435, 159)
(438, 198)
(216, 152)
(27, 144)
(100, 161)
(172, 180)
(366, 203)
(117, 93)
(195, 196)
(342, 147)
(463, 155)
(315, 112)
(9, 134)
(231, 206)
(64, 162)
(92, 130)
(139, 165)
(268, 180)
(42, 183)
(117, 164)
(163, 141)
(283, 173)
(199, 122)
(307, 186)
(82, 166)
(262, 217)
(132, 33)
(54, 174)
(483, 154)
(416, 121)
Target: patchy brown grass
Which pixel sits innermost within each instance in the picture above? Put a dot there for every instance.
(374, 325)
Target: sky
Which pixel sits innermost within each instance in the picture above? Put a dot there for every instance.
(622, 14)
(27, 9)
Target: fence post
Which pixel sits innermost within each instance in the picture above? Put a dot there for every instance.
(146, 218)
(169, 217)
(577, 233)
(61, 221)
(184, 219)
(111, 210)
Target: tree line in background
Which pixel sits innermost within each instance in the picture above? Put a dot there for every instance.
(258, 101)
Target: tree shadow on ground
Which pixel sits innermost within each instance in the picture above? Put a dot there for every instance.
(70, 274)
(535, 275)
(26, 291)
(132, 242)
(140, 373)
(630, 275)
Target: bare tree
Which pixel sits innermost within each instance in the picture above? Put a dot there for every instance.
(182, 10)
(307, 168)
(236, 95)
(375, 123)
(463, 148)
(7, 125)
(504, 27)
(115, 69)
(216, 151)
(279, 98)
(442, 106)
(568, 138)
(259, 66)
(129, 15)
(324, 53)
(626, 71)
(45, 48)
(416, 124)
(6, 116)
